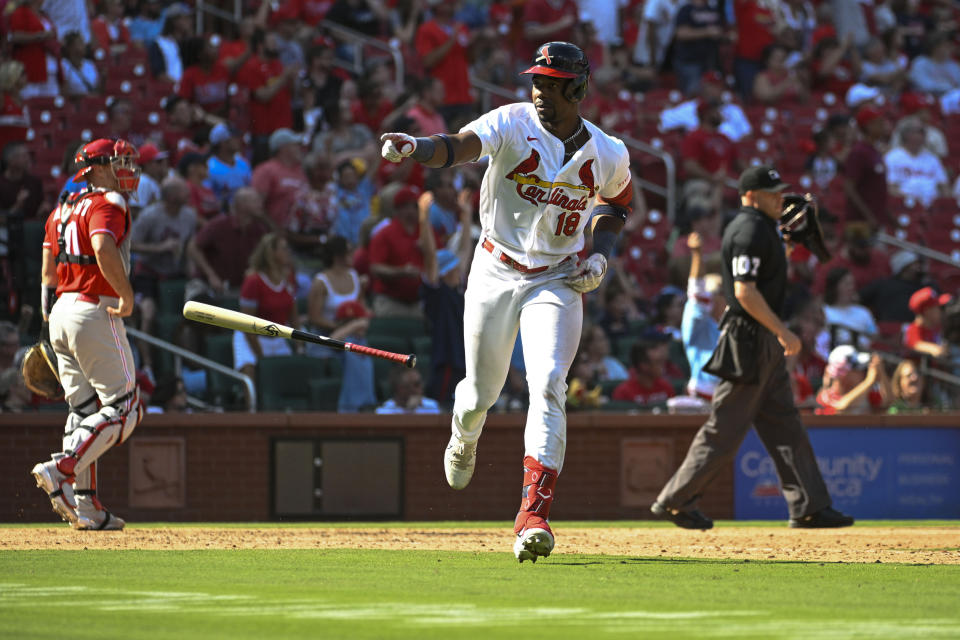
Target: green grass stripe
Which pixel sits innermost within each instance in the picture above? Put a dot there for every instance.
(578, 524)
(259, 595)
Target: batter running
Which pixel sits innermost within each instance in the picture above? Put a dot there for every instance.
(86, 257)
(550, 172)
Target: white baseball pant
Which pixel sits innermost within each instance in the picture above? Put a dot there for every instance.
(499, 300)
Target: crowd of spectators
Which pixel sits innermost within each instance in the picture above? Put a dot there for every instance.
(263, 187)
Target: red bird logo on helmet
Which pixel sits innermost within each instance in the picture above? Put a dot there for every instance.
(121, 155)
(545, 54)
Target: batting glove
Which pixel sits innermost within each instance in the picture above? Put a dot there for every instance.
(589, 274)
(397, 146)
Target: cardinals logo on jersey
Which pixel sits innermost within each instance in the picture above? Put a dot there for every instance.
(538, 191)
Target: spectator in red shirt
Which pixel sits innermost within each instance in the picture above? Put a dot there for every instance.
(864, 174)
(756, 30)
(426, 105)
(835, 66)
(193, 167)
(33, 37)
(370, 108)
(205, 83)
(442, 44)
(855, 382)
(235, 48)
(281, 179)
(178, 133)
(776, 84)
(923, 334)
(221, 249)
(14, 115)
(109, 31)
(708, 154)
(396, 259)
(312, 11)
(267, 292)
(548, 20)
(270, 86)
(647, 385)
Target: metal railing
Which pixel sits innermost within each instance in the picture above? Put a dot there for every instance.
(342, 32)
(918, 249)
(206, 363)
(204, 8)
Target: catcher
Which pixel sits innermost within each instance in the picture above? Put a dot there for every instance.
(85, 294)
(750, 360)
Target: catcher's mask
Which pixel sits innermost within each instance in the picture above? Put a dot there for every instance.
(563, 60)
(800, 223)
(121, 155)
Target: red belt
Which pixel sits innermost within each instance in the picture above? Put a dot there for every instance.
(86, 297)
(510, 262)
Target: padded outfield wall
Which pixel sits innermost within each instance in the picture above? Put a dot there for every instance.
(317, 466)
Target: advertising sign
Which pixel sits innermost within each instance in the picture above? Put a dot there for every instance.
(870, 472)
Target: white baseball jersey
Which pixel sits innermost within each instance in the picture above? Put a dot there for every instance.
(532, 206)
(916, 176)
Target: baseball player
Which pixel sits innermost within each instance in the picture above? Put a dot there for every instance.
(750, 357)
(86, 262)
(549, 172)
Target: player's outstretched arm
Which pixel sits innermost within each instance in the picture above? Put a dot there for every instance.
(437, 151)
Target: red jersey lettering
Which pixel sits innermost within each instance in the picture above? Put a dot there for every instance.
(78, 221)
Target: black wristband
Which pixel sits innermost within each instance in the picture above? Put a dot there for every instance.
(424, 151)
(603, 242)
(446, 141)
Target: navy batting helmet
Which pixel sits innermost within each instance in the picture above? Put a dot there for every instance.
(563, 60)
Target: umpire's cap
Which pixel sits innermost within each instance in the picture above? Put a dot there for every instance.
(761, 178)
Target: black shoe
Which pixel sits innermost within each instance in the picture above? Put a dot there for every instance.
(692, 519)
(826, 518)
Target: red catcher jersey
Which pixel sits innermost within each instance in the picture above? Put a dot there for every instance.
(97, 211)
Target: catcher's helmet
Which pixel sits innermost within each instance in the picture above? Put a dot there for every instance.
(121, 155)
(563, 60)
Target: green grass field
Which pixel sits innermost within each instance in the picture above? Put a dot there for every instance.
(296, 593)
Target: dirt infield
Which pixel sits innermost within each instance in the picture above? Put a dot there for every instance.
(913, 545)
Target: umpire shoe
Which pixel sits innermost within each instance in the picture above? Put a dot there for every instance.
(458, 462)
(826, 518)
(534, 541)
(692, 519)
(59, 487)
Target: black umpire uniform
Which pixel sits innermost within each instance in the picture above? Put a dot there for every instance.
(755, 386)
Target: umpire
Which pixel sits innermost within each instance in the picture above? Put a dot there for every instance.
(755, 387)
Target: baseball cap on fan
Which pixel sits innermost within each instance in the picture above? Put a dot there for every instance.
(350, 310)
(846, 358)
(927, 297)
(761, 178)
(149, 152)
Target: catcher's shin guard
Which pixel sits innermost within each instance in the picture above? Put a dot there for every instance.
(538, 485)
(91, 438)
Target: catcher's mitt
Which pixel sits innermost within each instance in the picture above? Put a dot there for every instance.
(800, 222)
(40, 370)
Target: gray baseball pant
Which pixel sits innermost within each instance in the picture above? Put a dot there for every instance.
(767, 406)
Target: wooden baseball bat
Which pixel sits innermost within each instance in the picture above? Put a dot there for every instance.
(230, 319)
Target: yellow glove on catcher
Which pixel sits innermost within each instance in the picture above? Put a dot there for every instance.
(40, 370)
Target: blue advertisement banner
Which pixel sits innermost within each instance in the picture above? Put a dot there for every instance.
(871, 473)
